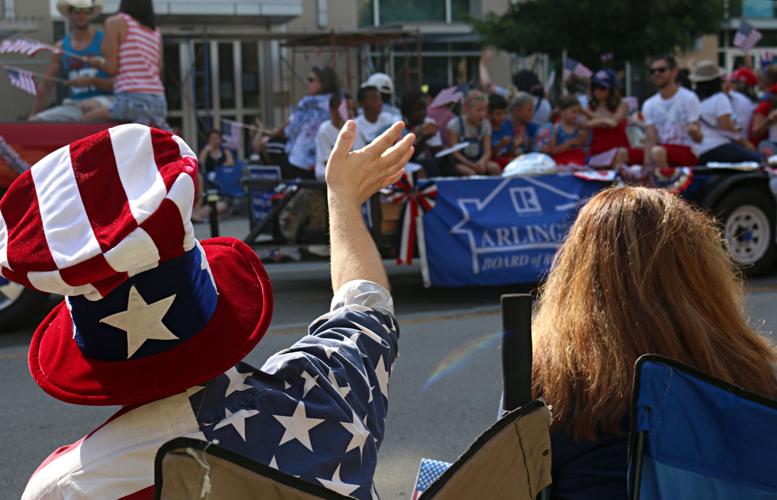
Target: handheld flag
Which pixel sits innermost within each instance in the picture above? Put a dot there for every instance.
(26, 47)
(766, 58)
(445, 97)
(231, 133)
(603, 159)
(22, 80)
(574, 67)
(747, 36)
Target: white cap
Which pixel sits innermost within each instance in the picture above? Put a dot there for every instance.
(381, 81)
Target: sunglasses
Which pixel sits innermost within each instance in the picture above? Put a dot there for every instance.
(81, 10)
(662, 69)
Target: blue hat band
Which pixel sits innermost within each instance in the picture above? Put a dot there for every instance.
(150, 313)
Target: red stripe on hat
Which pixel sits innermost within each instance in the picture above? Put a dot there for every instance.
(20, 278)
(27, 247)
(101, 190)
(167, 155)
(166, 229)
(93, 271)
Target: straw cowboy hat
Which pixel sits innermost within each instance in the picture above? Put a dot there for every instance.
(64, 6)
(705, 71)
(149, 311)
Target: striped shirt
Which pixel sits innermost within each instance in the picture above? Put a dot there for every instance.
(139, 57)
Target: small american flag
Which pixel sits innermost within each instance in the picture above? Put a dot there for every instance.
(574, 67)
(747, 36)
(766, 59)
(445, 97)
(632, 102)
(22, 46)
(342, 109)
(231, 133)
(428, 472)
(604, 159)
(22, 80)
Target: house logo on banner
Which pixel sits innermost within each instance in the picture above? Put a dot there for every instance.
(526, 236)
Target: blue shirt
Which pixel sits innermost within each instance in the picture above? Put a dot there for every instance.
(74, 67)
(506, 130)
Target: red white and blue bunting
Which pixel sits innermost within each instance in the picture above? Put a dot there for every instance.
(417, 200)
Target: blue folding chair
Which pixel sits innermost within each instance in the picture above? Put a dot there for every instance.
(228, 180)
(695, 436)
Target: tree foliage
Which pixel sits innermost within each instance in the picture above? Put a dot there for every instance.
(631, 30)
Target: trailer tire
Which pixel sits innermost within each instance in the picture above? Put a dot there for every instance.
(747, 219)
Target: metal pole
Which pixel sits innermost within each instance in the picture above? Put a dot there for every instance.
(516, 349)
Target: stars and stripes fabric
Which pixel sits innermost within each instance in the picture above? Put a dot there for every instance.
(445, 97)
(766, 59)
(428, 472)
(746, 36)
(417, 199)
(574, 67)
(23, 80)
(316, 410)
(603, 159)
(23, 46)
(70, 228)
(231, 133)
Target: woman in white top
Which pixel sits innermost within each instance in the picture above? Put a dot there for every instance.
(720, 142)
(133, 53)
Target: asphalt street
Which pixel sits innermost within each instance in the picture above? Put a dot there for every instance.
(444, 390)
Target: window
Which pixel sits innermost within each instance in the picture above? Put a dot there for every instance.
(249, 53)
(758, 8)
(387, 12)
(172, 77)
(226, 71)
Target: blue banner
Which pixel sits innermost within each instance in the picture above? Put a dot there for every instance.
(495, 231)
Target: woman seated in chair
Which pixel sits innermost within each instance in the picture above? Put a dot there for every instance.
(641, 272)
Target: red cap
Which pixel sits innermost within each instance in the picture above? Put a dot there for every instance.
(744, 75)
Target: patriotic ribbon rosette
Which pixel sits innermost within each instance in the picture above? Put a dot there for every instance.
(417, 200)
(675, 179)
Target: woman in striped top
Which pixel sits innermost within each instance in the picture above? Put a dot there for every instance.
(133, 53)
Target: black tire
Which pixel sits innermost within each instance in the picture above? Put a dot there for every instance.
(19, 306)
(747, 219)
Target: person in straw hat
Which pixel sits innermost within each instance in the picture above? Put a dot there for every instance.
(88, 87)
(723, 140)
(158, 322)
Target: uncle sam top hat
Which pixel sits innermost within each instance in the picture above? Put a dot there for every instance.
(149, 311)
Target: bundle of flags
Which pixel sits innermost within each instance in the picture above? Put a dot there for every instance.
(23, 80)
(574, 67)
(747, 36)
(445, 97)
(231, 133)
(26, 47)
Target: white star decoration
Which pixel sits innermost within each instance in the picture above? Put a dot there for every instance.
(366, 331)
(142, 321)
(237, 381)
(310, 382)
(343, 390)
(237, 420)
(383, 377)
(359, 433)
(337, 485)
(273, 463)
(298, 426)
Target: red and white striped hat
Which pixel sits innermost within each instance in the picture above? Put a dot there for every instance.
(105, 221)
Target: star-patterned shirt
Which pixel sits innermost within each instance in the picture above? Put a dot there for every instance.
(316, 410)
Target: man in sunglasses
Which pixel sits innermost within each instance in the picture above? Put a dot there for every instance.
(672, 118)
(87, 86)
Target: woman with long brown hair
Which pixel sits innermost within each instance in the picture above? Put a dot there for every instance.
(641, 272)
(608, 119)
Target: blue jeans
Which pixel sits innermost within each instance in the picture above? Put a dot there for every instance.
(146, 109)
(731, 152)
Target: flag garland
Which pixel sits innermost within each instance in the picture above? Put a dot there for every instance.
(675, 179)
(417, 200)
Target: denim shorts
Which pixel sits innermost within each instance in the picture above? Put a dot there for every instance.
(146, 109)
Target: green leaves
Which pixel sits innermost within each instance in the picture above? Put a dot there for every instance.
(631, 29)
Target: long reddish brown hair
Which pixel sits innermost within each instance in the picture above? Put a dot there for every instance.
(640, 272)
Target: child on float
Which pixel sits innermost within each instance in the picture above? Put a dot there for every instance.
(567, 136)
(473, 128)
(428, 141)
(524, 130)
(502, 135)
(328, 131)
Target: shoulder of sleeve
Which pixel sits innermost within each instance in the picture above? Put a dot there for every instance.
(487, 130)
(723, 105)
(453, 124)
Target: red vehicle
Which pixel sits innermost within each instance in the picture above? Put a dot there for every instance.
(22, 144)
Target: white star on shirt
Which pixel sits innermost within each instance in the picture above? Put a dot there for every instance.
(237, 381)
(298, 426)
(366, 331)
(343, 390)
(337, 485)
(142, 321)
(359, 433)
(237, 420)
(383, 377)
(310, 383)
(273, 463)
(328, 350)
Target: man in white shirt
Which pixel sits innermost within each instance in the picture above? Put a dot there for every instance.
(672, 118)
(373, 121)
